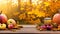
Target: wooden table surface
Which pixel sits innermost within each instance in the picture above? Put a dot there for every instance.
(29, 30)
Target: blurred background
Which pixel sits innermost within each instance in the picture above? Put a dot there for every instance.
(29, 11)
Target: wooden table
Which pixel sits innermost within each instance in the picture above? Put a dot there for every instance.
(30, 30)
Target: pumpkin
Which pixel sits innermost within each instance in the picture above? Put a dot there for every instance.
(3, 18)
(56, 18)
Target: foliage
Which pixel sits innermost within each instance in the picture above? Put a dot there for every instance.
(31, 12)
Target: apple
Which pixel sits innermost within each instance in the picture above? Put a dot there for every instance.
(2, 26)
(49, 27)
(43, 26)
(10, 26)
(11, 21)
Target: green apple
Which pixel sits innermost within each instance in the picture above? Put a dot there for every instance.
(2, 26)
(11, 21)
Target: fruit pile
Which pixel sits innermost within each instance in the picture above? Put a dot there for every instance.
(52, 25)
(7, 23)
(48, 27)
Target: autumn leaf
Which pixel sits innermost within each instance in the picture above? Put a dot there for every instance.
(47, 3)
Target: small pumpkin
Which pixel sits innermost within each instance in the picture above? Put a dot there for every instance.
(56, 18)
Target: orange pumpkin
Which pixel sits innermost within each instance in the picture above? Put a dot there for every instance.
(56, 18)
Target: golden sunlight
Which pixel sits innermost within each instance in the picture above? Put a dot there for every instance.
(14, 2)
(29, 10)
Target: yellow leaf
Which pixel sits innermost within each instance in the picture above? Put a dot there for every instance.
(47, 3)
(21, 8)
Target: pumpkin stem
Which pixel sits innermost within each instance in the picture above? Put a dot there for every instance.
(1, 12)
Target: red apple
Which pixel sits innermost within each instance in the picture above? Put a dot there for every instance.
(56, 18)
(49, 26)
(10, 26)
(43, 26)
